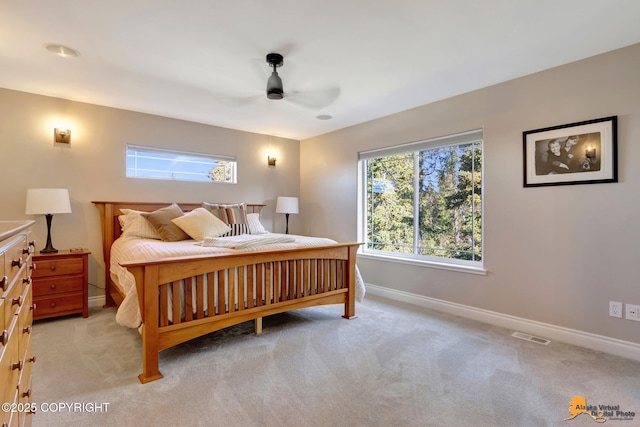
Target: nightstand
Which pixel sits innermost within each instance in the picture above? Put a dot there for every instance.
(61, 283)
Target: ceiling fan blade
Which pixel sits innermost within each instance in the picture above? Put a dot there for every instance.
(239, 101)
(313, 99)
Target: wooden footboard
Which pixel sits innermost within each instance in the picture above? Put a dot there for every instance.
(184, 298)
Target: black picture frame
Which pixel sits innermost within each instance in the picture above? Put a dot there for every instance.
(576, 153)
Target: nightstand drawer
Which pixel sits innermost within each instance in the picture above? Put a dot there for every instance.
(57, 285)
(58, 305)
(57, 267)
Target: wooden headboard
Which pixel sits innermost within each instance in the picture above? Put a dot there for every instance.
(109, 213)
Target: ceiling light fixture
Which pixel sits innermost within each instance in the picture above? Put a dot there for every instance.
(324, 117)
(60, 50)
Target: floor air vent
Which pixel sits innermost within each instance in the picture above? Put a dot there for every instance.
(531, 338)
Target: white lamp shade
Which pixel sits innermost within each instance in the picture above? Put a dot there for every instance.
(288, 205)
(47, 201)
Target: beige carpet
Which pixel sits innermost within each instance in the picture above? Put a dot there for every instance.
(394, 365)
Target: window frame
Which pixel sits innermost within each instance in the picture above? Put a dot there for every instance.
(467, 266)
(177, 153)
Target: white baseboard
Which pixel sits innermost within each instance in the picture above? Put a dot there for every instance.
(97, 301)
(602, 343)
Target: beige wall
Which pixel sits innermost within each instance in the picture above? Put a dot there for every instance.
(92, 167)
(554, 254)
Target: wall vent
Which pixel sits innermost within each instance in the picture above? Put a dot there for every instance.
(531, 338)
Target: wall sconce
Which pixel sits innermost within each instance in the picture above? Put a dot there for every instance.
(271, 161)
(62, 135)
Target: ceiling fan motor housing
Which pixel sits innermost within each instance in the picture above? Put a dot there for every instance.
(274, 84)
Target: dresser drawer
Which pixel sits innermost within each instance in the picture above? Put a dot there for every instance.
(17, 253)
(24, 382)
(57, 267)
(3, 325)
(58, 305)
(10, 365)
(13, 298)
(57, 285)
(25, 320)
(11, 418)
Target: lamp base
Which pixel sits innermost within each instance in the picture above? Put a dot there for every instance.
(287, 216)
(49, 249)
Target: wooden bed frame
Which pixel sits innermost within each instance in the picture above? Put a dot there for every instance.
(276, 281)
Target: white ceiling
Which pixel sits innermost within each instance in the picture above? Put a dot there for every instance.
(204, 60)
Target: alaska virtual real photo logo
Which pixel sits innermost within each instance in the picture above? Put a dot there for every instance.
(599, 413)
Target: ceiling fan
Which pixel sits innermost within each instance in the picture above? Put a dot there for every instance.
(275, 90)
(274, 84)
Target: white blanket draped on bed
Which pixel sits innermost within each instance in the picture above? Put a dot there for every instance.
(131, 249)
(245, 241)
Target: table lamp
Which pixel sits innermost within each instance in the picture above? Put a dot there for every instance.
(48, 201)
(287, 205)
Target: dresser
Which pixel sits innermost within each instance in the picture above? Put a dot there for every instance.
(60, 283)
(16, 318)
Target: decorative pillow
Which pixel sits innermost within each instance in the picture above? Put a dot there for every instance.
(199, 223)
(255, 226)
(234, 215)
(134, 225)
(161, 221)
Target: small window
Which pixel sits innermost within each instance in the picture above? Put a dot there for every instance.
(159, 163)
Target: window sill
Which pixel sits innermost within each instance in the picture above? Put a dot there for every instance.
(429, 264)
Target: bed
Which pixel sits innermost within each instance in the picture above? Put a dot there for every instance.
(183, 295)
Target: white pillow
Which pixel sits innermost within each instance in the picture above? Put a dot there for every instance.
(200, 223)
(255, 226)
(135, 225)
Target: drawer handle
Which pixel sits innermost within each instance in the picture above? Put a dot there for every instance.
(33, 307)
(17, 366)
(16, 262)
(27, 280)
(52, 267)
(32, 243)
(17, 301)
(26, 330)
(33, 266)
(52, 305)
(5, 337)
(53, 286)
(3, 283)
(27, 250)
(27, 393)
(32, 359)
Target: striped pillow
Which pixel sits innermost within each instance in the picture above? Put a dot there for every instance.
(234, 215)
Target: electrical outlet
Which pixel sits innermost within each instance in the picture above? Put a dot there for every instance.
(615, 309)
(632, 312)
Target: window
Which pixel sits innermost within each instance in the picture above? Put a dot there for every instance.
(158, 163)
(423, 201)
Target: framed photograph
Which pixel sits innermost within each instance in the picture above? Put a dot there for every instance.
(576, 153)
